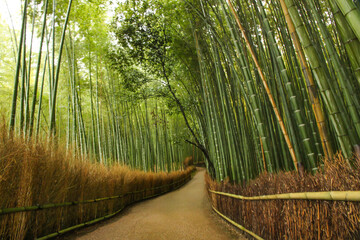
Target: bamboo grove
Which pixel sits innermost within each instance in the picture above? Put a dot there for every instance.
(280, 83)
(67, 89)
(258, 86)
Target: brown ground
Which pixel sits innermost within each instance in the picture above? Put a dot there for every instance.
(182, 214)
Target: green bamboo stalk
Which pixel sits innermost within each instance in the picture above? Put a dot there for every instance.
(100, 147)
(351, 99)
(27, 94)
(312, 90)
(352, 44)
(329, 97)
(253, 96)
(262, 76)
(56, 78)
(351, 14)
(38, 66)
(41, 96)
(23, 85)
(306, 139)
(18, 67)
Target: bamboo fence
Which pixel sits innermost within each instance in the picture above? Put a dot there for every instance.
(353, 196)
(177, 184)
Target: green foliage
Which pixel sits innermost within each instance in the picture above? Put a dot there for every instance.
(151, 40)
(133, 88)
(6, 67)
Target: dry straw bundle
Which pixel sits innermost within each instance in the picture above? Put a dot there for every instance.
(34, 174)
(295, 219)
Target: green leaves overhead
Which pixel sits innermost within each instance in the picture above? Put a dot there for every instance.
(188, 64)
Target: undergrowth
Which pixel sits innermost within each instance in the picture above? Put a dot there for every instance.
(295, 219)
(39, 173)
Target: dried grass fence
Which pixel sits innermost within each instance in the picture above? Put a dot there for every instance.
(274, 212)
(36, 174)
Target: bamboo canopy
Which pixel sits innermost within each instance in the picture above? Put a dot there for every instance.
(257, 85)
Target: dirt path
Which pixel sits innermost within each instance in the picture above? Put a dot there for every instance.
(182, 214)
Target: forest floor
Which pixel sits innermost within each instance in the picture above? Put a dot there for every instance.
(182, 214)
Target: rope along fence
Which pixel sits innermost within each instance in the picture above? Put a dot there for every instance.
(177, 184)
(353, 196)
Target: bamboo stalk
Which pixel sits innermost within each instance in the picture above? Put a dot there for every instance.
(345, 83)
(352, 15)
(267, 89)
(352, 196)
(56, 78)
(32, 112)
(312, 89)
(352, 44)
(262, 154)
(332, 102)
(18, 67)
(237, 225)
(300, 118)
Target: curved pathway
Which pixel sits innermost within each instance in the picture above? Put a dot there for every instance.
(181, 214)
